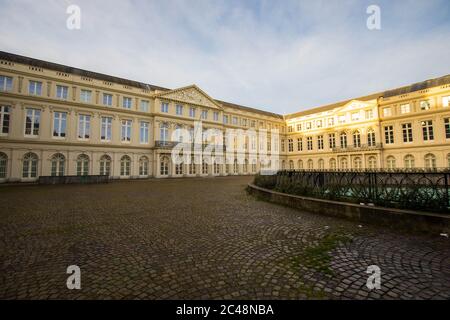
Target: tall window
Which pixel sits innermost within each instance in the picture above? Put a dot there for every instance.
(372, 162)
(448, 160)
(225, 119)
(333, 164)
(105, 165)
(144, 106)
(5, 83)
(179, 109)
(126, 131)
(58, 164)
(430, 161)
(107, 99)
(204, 114)
(407, 132)
(59, 124)
(106, 129)
(387, 112)
(371, 138)
(309, 143)
(310, 164)
(390, 162)
(447, 128)
(427, 130)
(35, 88)
(217, 167)
(192, 112)
(164, 107)
(405, 108)
(357, 163)
(369, 114)
(299, 144)
(321, 164)
(143, 138)
(164, 132)
(62, 92)
(356, 139)
(320, 142)
(32, 122)
(192, 166)
(82, 165)
(332, 140)
(30, 161)
(4, 119)
(344, 163)
(3, 165)
(300, 164)
(290, 145)
(389, 134)
(85, 95)
(84, 126)
(216, 116)
(409, 161)
(204, 167)
(425, 105)
(125, 166)
(164, 166)
(179, 168)
(143, 166)
(445, 100)
(235, 166)
(127, 102)
(343, 137)
(291, 165)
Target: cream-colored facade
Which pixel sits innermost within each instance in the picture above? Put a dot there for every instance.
(58, 120)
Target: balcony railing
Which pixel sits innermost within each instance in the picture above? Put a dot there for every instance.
(362, 147)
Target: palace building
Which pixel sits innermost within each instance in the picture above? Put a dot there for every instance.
(60, 120)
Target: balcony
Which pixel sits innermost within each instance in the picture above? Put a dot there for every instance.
(363, 147)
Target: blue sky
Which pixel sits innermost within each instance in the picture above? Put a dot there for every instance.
(281, 56)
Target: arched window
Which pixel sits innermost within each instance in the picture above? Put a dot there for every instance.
(192, 166)
(105, 165)
(430, 161)
(82, 165)
(216, 167)
(333, 165)
(204, 167)
(372, 162)
(300, 164)
(283, 165)
(291, 165)
(409, 161)
(3, 165)
(254, 166)
(356, 139)
(179, 168)
(164, 166)
(343, 138)
(344, 163)
(58, 164)
(235, 166)
(245, 166)
(357, 163)
(310, 164)
(143, 166)
(30, 161)
(321, 164)
(390, 163)
(164, 132)
(371, 138)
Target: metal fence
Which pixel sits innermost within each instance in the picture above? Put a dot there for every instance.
(418, 189)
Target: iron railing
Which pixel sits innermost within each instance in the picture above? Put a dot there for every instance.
(426, 190)
(88, 179)
(355, 148)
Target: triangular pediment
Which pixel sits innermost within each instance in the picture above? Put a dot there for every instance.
(353, 105)
(190, 95)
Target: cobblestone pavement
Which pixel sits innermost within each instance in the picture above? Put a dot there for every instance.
(201, 238)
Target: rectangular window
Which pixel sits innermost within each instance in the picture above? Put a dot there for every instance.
(427, 129)
(389, 134)
(59, 124)
(4, 119)
(407, 132)
(309, 143)
(308, 125)
(290, 129)
(192, 112)
(299, 127)
(106, 129)
(144, 106)
(164, 107)
(127, 102)
(234, 120)
(144, 132)
(107, 99)
(62, 92)
(405, 108)
(32, 122)
(6, 83)
(84, 126)
(282, 146)
(225, 119)
(371, 138)
(35, 88)
(179, 109)
(204, 114)
(299, 144)
(332, 140)
(447, 128)
(355, 116)
(387, 112)
(341, 119)
(330, 122)
(369, 114)
(320, 142)
(445, 101)
(425, 105)
(126, 131)
(319, 123)
(216, 116)
(85, 95)
(290, 145)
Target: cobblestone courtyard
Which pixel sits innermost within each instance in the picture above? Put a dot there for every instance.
(201, 238)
